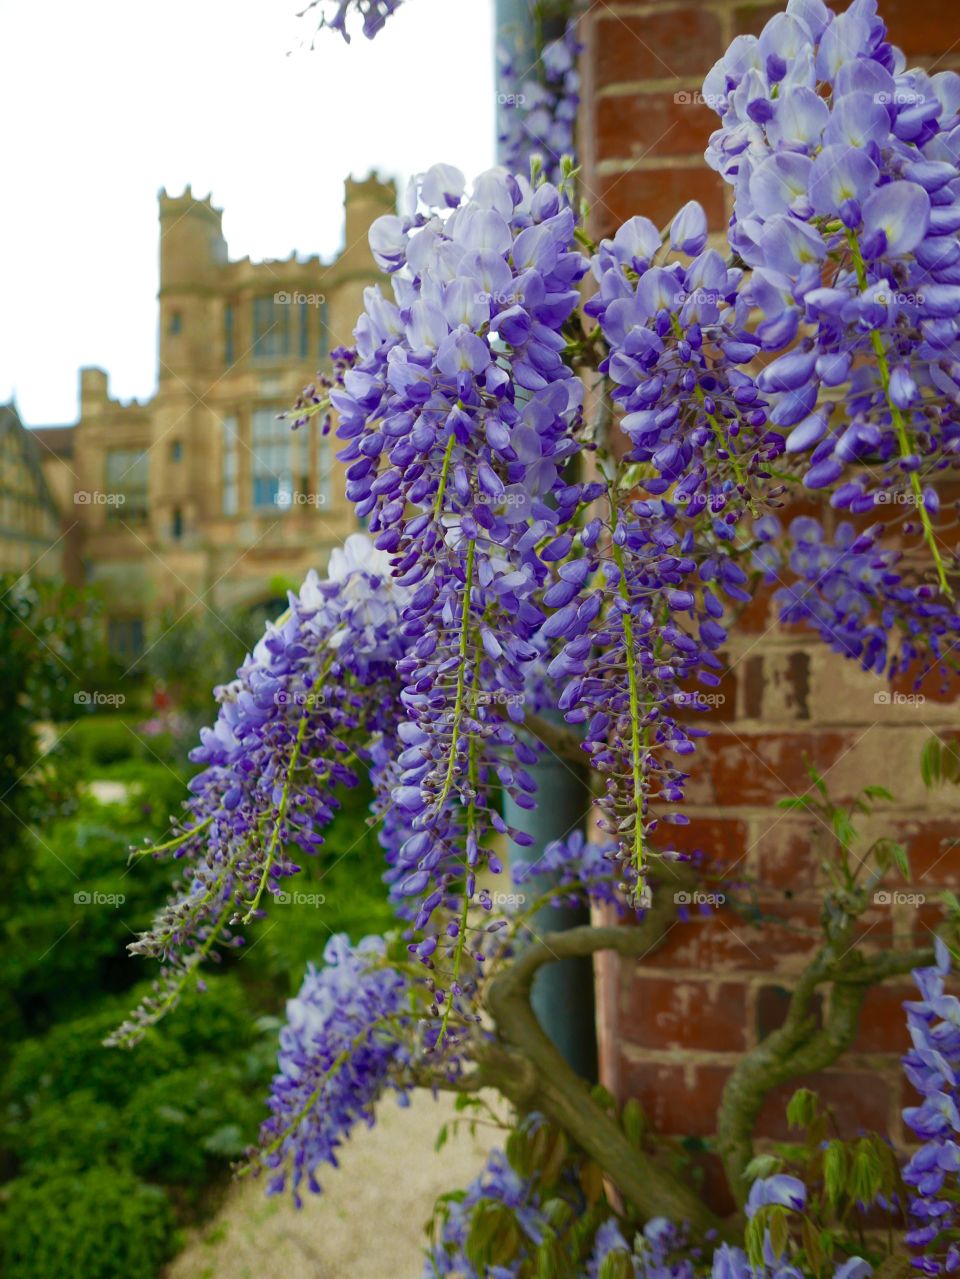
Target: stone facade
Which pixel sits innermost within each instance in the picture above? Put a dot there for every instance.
(30, 532)
(200, 496)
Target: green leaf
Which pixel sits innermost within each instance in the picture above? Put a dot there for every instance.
(779, 1230)
(811, 1245)
(877, 792)
(866, 1174)
(843, 827)
(796, 801)
(802, 1108)
(930, 762)
(835, 1172)
(617, 1265)
(754, 1238)
(901, 858)
(950, 761)
(815, 777)
(761, 1166)
(634, 1122)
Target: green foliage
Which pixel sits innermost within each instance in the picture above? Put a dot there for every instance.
(940, 762)
(851, 868)
(180, 1123)
(98, 1224)
(187, 654)
(839, 1175)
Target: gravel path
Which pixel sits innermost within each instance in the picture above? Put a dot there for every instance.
(368, 1223)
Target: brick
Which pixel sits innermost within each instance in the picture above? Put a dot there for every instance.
(933, 847)
(673, 1013)
(657, 193)
(923, 27)
(681, 1099)
(777, 685)
(939, 686)
(635, 126)
(722, 943)
(761, 768)
(883, 1023)
(719, 841)
(859, 1100)
(681, 42)
(787, 851)
(751, 21)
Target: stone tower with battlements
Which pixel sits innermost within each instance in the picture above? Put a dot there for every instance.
(200, 496)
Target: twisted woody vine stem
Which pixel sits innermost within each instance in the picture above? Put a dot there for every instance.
(525, 562)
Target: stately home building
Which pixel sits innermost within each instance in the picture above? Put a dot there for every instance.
(30, 530)
(201, 496)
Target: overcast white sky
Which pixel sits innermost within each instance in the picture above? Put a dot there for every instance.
(106, 101)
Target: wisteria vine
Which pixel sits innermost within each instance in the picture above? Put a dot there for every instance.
(572, 459)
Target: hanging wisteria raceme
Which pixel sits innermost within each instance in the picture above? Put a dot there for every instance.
(345, 1040)
(459, 416)
(537, 104)
(845, 168)
(852, 591)
(280, 747)
(933, 1068)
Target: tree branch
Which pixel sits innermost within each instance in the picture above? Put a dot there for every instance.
(560, 1093)
(798, 1047)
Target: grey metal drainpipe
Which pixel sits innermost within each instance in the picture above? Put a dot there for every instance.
(563, 993)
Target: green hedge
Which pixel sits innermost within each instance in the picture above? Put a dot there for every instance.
(99, 1224)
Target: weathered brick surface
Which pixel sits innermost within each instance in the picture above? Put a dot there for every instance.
(673, 1026)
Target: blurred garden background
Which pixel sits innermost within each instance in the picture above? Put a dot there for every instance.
(107, 1156)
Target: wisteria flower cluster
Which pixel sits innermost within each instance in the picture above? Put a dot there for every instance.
(845, 170)
(272, 761)
(537, 104)
(933, 1068)
(342, 1044)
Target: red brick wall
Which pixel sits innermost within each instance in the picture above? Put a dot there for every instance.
(673, 1025)
(644, 128)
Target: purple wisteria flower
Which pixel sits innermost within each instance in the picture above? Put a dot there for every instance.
(271, 762)
(853, 592)
(341, 1046)
(335, 14)
(846, 174)
(537, 105)
(933, 1068)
